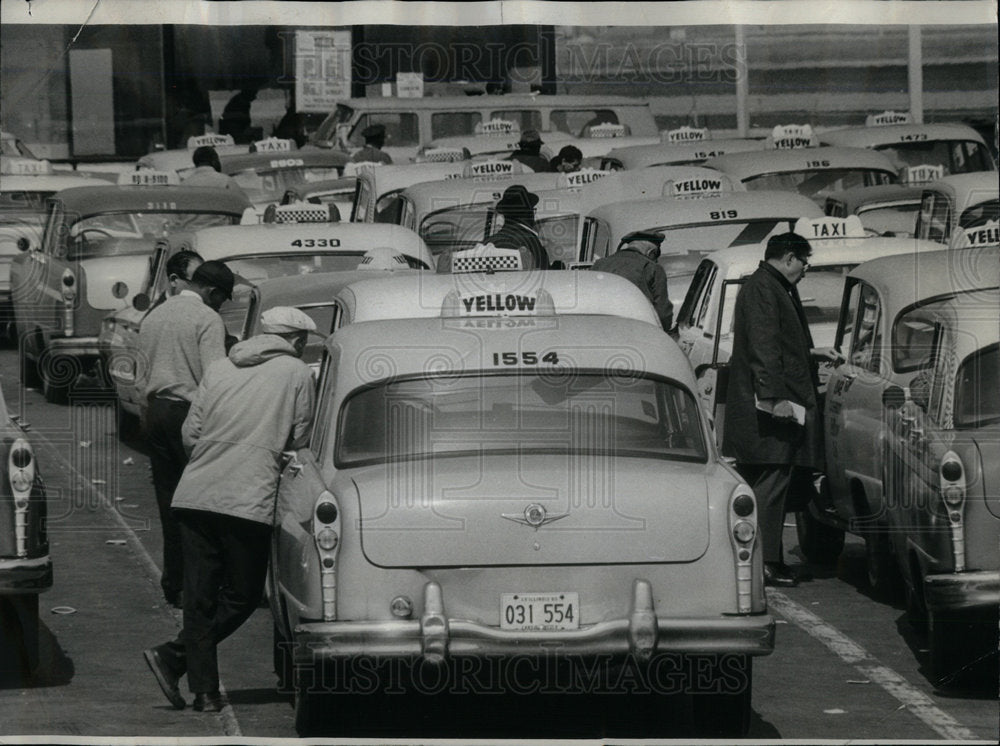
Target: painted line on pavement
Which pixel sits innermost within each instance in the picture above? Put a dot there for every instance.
(850, 652)
(230, 724)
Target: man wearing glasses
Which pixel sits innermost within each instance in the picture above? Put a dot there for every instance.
(772, 421)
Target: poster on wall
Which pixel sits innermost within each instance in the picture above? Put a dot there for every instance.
(322, 69)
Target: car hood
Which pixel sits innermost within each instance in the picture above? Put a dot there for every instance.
(479, 510)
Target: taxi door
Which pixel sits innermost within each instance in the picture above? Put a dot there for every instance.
(853, 416)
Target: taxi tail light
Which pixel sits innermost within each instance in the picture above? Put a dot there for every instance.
(743, 537)
(21, 476)
(68, 290)
(326, 534)
(953, 492)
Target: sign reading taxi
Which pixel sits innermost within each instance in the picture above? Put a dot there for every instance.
(212, 140)
(583, 176)
(815, 229)
(25, 167)
(272, 145)
(497, 127)
(792, 136)
(921, 174)
(685, 134)
(148, 177)
(887, 117)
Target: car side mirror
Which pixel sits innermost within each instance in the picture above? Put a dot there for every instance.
(23, 244)
(893, 397)
(140, 302)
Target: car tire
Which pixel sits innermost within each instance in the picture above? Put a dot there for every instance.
(283, 663)
(19, 637)
(28, 368)
(957, 643)
(129, 426)
(883, 575)
(726, 714)
(820, 543)
(916, 610)
(309, 707)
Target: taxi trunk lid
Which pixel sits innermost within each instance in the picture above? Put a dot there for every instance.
(524, 509)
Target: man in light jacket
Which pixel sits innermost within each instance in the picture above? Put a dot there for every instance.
(249, 408)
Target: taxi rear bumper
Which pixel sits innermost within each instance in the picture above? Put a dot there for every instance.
(962, 590)
(435, 638)
(25, 575)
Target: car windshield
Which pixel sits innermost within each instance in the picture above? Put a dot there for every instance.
(977, 389)
(956, 156)
(980, 214)
(587, 413)
(890, 220)
(819, 184)
(118, 233)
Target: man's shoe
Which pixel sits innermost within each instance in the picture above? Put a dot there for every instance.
(778, 575)
(208, 702)
(166, 678)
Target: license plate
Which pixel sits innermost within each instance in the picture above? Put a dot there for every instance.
(539, 611)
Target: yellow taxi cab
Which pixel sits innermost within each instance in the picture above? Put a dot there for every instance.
(254, 253)
(485, 483)
(692, 153)
(705, 318)
(955, 203)
(452, 215)
(94, 252)
(179, 160)
(814, 172)
(266, 174)
(378, 186)
(889, 210)
(25, 186)
(25, 562)
(910, 422)
(412, 123)
(918, 150)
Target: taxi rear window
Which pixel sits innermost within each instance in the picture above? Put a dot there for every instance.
(116, 234)
(525, 119)
(454, 123)
(400, 128)
(977, 389)
(812, 183)
(957, 156)
(590, 413)
(578, 121)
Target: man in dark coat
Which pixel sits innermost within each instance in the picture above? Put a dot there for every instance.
(772, 421)
(372, 152)
(635, 260)
(529, 152)
(517, 206)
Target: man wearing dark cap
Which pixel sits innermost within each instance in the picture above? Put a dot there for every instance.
(772, 424)
(208, 171)
(529, 150)
(178, 340)
(635, 260)
(517, 207)
(374, 135)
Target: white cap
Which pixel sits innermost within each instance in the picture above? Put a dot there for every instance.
(285, 320)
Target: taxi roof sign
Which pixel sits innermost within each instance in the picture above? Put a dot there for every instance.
(987, 234)
(888, 117)
(211, 140)
(492, 167)
(698, 186)
(684, 134)
(921, 173)
(497, 127)
(791, 136)
(25, 167)
(485, 258)
(483, 301)
(826, 228)
(148, 177)
(272, 145)
(442, 155)
(581, 177)
(353, 169)
(606, 130)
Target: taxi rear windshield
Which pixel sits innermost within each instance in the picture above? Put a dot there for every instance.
(957, 156)
(120, 233)
(977, 389)
(583, 413)
(822, 183)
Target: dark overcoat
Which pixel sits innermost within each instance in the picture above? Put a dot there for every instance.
(771, 359)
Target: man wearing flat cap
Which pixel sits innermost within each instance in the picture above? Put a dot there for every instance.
(374, 135)
(529, 152)
(250, 407)
(178, 339)
(517, 207)
(635, 260)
